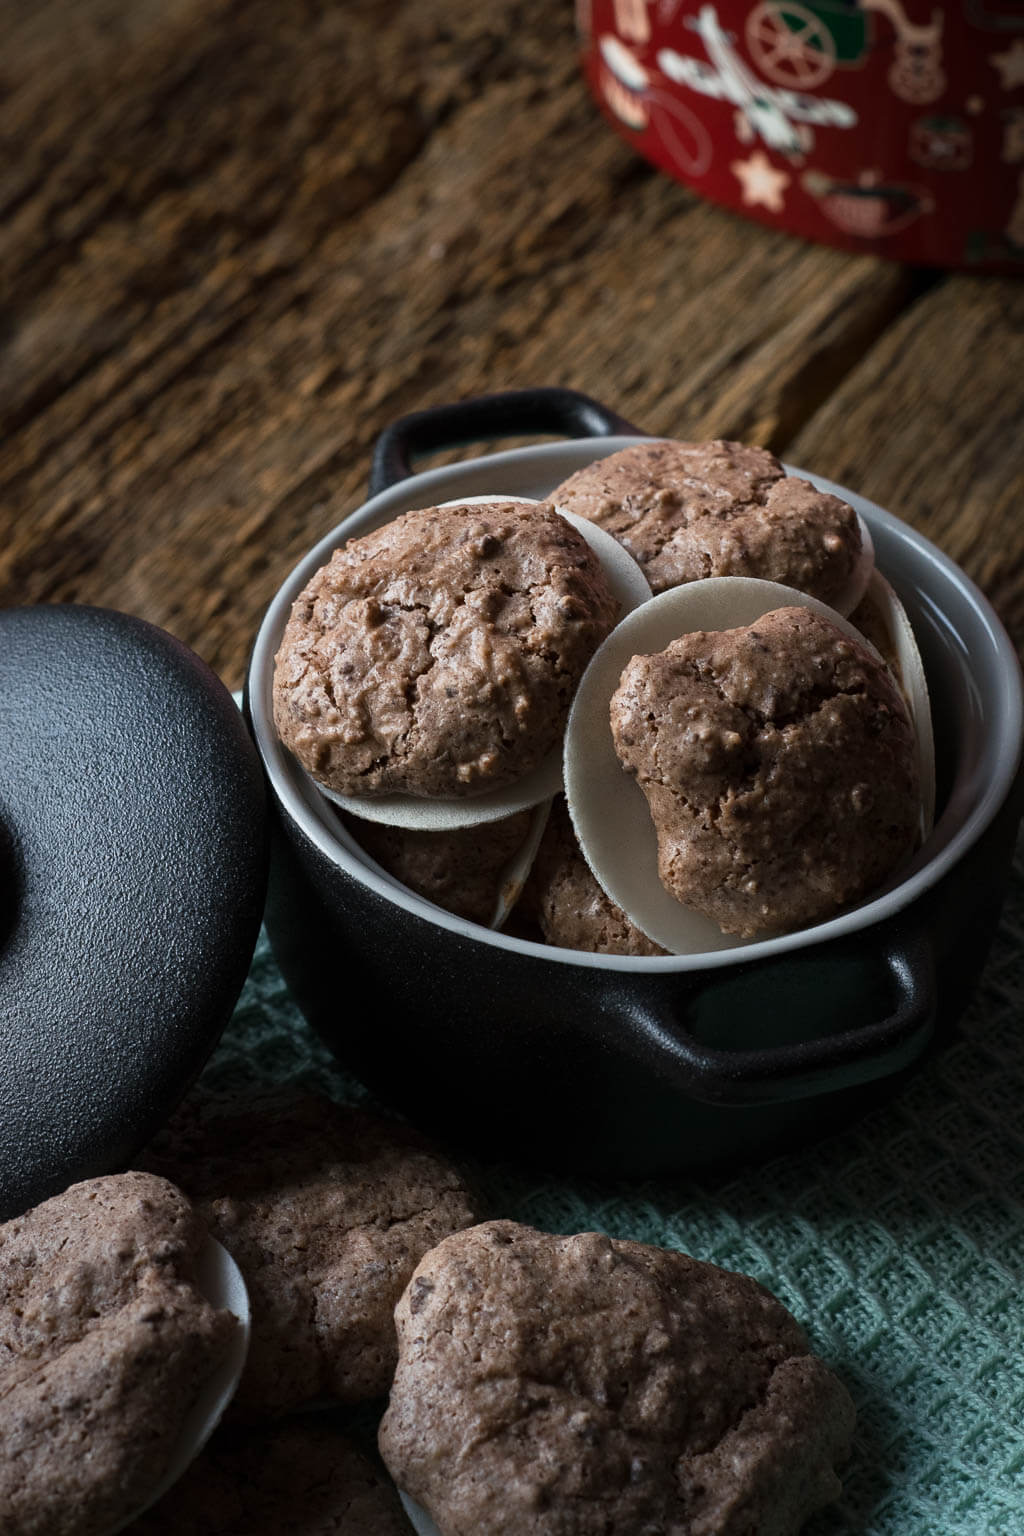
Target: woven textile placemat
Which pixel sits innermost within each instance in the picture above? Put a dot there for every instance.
(899, 1244)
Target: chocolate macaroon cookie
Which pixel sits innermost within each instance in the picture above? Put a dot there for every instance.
(780, 766)
(326, 1211)
(437, 656)
(301, 1475)
(686, 511)
(576, 1386)
(568, 904)
(459, 869)
(105, 1344)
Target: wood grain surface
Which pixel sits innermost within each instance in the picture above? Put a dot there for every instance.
(241, 236)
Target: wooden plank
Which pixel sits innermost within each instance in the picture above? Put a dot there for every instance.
(931, 424)
(269, 230)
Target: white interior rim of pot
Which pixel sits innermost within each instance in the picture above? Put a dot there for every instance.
(535, 472)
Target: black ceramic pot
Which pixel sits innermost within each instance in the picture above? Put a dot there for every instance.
(517, 1049)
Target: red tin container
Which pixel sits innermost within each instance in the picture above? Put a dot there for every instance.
(892, 126)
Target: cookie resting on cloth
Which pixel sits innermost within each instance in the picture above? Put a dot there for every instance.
(780, 767)
(105, 1343)
(326, 1211)
(690, 510)
(298, 1476)
(580, 1386)
(438, 655)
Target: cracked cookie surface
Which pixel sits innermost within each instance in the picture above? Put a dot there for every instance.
(105, 1342)
(438, 655)
(576, 1386)
(686, 511)
(780, 767)
(326, 1212)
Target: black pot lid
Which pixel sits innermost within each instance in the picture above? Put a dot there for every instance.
(132, 879)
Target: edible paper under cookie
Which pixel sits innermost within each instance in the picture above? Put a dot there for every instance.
(609, 810)
(631, 589)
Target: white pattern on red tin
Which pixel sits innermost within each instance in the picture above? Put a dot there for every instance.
(630, 91)
(782, 118)
(916, 73)
(1010, 65)
(761, 183)
(941, 143)
(868, 208)
(790, 44)
(631, 20)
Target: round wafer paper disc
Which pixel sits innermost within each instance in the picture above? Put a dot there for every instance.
(861, 573)
(899, 648)
(220, 1281)
(421, 1521)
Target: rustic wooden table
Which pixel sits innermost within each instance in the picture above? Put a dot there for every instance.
(241, 236)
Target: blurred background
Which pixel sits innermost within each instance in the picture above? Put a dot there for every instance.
(241, 236)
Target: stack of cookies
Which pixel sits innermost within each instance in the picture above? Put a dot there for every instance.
(436, 678)
(107, 1340)
(538, 1384)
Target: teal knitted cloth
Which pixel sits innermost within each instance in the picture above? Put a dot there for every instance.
(899, 1244)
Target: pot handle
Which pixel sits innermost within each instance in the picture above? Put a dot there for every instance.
(512, 413)
(801, 1068)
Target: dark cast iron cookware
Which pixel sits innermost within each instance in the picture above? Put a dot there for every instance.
(516, 1049)
(132, 875)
